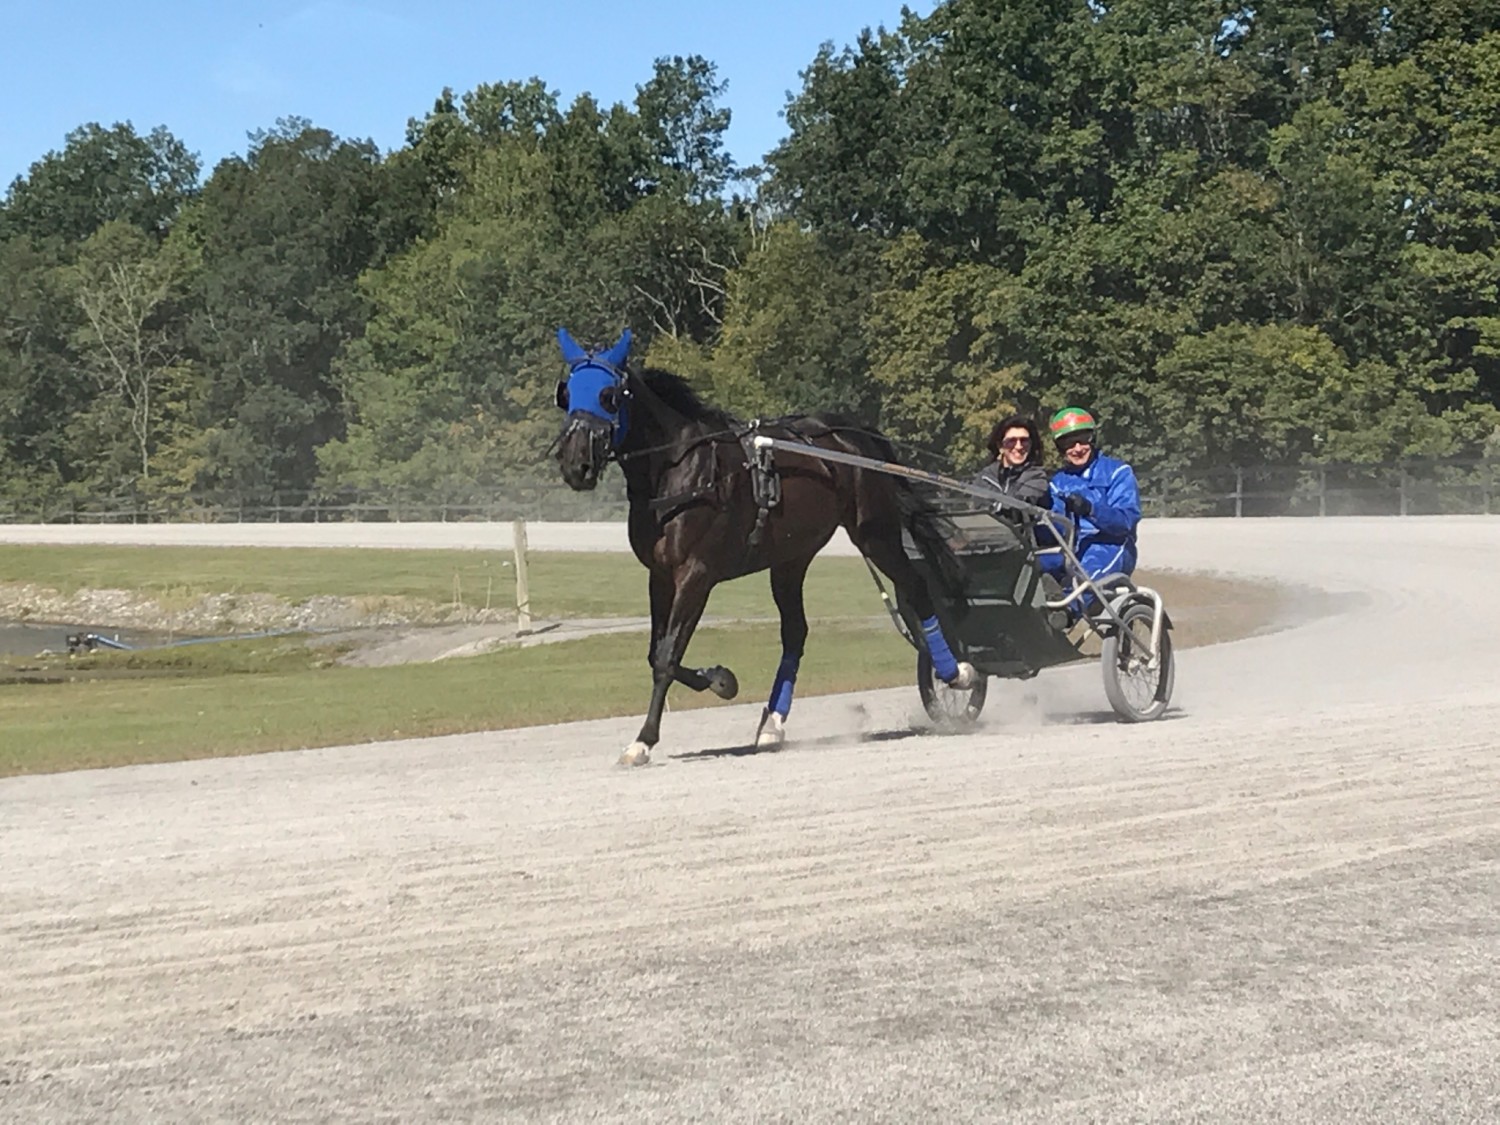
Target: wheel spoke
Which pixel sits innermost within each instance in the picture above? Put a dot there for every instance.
(952, 702)
(1138, 680)
(947, 706)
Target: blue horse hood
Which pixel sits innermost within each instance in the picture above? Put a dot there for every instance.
(590, 375)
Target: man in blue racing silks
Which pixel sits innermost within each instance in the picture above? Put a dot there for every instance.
(1098, 493)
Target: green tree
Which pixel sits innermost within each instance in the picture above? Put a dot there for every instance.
(683, 126)
(100, 176)
(793, 336)
(589, 217)
(936, 356)
(283, 234)
(840, 168)
(129, 292)
(40, 387)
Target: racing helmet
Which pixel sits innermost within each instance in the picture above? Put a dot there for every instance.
(1071, 420)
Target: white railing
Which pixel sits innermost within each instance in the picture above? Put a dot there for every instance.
(1407, 488)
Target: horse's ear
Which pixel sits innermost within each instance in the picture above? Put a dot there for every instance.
(619, 352)
(571, 352)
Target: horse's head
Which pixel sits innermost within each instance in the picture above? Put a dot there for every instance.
(597, 401)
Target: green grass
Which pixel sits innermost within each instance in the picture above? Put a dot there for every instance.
(114, 713)
(283, 693)
(562, 584)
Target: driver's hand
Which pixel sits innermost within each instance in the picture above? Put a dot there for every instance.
(1078, 505)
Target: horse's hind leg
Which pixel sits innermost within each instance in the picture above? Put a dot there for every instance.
(882, 545)
(786, 588)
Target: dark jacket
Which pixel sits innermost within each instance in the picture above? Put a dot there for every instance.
(1027, 483)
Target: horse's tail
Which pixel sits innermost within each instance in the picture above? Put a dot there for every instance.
(930, 530)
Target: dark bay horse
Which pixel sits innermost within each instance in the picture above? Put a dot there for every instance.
(702, 512)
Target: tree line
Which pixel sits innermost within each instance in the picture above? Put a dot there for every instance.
(1241, 234)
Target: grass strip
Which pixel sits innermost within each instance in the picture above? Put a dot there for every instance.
(92, 722)
(283, 693)
(562, 583)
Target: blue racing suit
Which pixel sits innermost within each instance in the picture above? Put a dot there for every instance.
(1106, 536)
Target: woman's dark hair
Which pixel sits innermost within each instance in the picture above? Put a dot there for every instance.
(1017, 422)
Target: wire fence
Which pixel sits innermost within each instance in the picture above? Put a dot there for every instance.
(531, 500)
(1409, 488)
(1405, 489)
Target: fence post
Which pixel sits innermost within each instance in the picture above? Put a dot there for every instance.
(1404, 499)
(1239, 492)
(523, 590)
(1322, 491)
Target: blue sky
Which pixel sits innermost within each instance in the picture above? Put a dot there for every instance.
(213, 71)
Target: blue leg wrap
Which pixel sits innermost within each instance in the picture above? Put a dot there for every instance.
(781, 687)
(943, 662)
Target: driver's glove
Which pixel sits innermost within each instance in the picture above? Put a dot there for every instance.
(1078, 505)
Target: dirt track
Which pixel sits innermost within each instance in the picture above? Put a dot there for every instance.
(1280, 904)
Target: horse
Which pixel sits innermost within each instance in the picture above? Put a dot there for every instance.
(705, 507)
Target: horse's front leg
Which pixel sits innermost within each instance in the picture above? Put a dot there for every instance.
(718, 679)
(786, 588)
(684, 597)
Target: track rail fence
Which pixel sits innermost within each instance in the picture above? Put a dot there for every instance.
(1404, 489)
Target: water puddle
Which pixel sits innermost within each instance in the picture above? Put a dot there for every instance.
(32, 639)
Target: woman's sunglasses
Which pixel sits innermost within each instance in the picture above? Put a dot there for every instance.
(1015, 442)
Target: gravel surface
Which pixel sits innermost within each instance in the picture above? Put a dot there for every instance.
(1281, 903)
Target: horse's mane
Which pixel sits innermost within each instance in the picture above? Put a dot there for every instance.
(675, 392)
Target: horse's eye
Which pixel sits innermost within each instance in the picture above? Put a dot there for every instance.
(609, 398)
(562, 395)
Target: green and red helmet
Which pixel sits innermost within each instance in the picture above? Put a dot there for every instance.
(1070, 420)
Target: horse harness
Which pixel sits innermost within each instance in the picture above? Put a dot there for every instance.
(765, 478)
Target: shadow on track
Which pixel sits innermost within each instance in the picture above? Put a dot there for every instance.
(827, 742)
(1106, 718)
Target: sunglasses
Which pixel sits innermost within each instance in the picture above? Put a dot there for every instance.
(1015, 443)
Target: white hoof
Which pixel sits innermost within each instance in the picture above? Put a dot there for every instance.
(967, 677)
(772, 732)
(636, 754)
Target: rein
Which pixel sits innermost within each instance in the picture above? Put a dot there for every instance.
(717, 435)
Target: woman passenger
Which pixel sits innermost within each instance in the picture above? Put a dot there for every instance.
(1016, 470)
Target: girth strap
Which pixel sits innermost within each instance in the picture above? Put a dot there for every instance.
(765, 481)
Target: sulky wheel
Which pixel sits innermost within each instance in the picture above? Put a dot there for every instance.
(950, 707)
(1138, 688)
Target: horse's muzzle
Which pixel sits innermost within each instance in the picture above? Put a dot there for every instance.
(583, 451)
